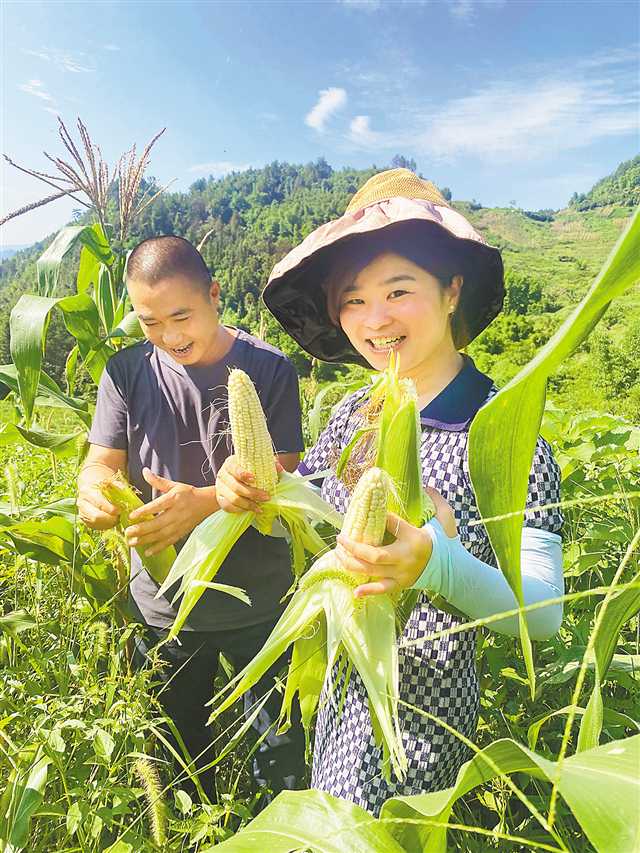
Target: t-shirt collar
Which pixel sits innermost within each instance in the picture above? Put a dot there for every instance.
(456, 405)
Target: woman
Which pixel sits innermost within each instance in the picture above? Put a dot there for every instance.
(403, 271)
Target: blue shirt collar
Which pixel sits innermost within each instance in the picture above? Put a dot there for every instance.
(456, 405)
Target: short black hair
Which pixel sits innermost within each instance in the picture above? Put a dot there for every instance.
(165, 257)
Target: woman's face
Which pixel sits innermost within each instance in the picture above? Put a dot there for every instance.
(393, 304)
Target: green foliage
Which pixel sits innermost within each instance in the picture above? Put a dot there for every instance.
(254, 217)
(617, 368)
(622, 187)
(87, 716)
(512, 419)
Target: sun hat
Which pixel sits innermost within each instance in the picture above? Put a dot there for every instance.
(387, 202)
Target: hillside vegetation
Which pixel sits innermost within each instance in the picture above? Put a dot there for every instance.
(254, 217)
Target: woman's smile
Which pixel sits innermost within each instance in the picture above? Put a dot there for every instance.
(386, 343)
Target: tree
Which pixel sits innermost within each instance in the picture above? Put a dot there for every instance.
(523, 295)
(401, 162)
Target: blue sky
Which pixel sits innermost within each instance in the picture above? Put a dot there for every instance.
(500, 100)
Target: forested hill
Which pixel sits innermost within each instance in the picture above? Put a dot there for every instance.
(254, 217)
(621, 187)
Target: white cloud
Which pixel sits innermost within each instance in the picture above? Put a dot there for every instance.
(218, 168)
(68, 63)
(37, 89)
(360, 132)
(111, 47)
(73, 62)
(537, 112)
(526, 119)
(41, 54)
(329, 102)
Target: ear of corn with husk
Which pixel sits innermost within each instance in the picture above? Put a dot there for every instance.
(121, 494)
(292, 502)
(391, 439)
(326, 623)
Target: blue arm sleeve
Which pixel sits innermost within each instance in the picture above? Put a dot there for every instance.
(478, 589)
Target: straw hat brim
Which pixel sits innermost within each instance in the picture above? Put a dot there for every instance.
(295, 296)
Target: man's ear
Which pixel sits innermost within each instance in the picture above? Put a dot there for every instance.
(214, 291)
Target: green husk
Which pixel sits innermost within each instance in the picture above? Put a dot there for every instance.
(118, 491)
(293, 502)
(391, 441)
(326, 623)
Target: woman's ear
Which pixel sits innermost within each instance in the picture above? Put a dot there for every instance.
(455, 290)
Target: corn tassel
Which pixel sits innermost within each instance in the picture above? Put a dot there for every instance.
(119, 492)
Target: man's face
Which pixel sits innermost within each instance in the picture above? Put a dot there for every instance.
(179, 317)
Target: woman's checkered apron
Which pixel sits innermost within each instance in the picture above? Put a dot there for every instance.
(436, 675)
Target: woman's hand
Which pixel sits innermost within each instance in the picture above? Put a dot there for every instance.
(397, 566)
(234, 491)
(176, 512)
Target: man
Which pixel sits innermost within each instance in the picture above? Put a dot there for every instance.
(161, 418)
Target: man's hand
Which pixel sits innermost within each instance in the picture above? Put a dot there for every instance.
(176, 512)
(94, 509)
(101, 464)
(397, 566)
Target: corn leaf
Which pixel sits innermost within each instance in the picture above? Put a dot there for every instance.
(302, 611)
(306, 676)
(29, 323)
(211, 541)
(591, 724)
(364, 631)
(601, 787)
(88, 271)
(503, 434)
(235, 591)
(106, 298)
(16, 622)
(62, 444)
(52, 540)
(90, 237)
(48, 392)
(25, 792)
(64, 507)
(313, 821)
(609, 717)
(624, 605)
(128, 327)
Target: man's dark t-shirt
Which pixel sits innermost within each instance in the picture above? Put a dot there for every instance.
(173, 419)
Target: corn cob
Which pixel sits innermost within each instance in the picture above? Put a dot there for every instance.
(251, 440)
(119, 492)
(366, 516)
